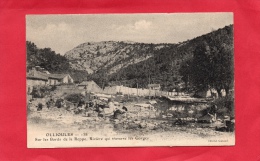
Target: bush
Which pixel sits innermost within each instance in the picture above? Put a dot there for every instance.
(39, 107)
(58, 103)
(74, 98)
(40, 91)
(225, 106)
(128, 99)
(53, 88)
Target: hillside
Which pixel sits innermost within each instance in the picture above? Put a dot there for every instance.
(109, 55)
(164, 64)
(138, 64)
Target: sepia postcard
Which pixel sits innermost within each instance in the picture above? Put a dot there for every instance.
(130, 80)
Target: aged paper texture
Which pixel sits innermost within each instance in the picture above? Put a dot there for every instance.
(130, 80)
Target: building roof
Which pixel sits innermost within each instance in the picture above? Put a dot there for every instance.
(57, 76)
(36, 75)
(91, 86)
(40, 75)
(84, 83)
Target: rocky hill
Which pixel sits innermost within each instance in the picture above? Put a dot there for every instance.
(110, 55)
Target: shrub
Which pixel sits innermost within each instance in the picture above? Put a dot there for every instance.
(225, 106)
(58, 103)
(39, 108)
(74, 98)
(40, 91)
(53, 88)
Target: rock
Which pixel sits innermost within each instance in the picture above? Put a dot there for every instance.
(150, 126)
(90, 114)
(96, 119)
(153, 115)
(100, 115)
(169, 115)
(142, 125)
(118, 116)
(118, 126)
(116, 121)
(137, 122)
(107, 119)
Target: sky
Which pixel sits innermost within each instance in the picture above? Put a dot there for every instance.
(62, 33)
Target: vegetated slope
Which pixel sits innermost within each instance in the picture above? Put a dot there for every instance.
(165, 66)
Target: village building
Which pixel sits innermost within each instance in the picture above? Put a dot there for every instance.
(57, 79)
(35, 78)
(43, 77)
(90, 86)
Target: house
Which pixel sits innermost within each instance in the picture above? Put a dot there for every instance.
(52, 79)
(90, 86)
(35, 78)
(56, 79)
(154, 86)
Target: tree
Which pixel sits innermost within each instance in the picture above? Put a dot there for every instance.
(211, 67)
(45, 58)
(186, 72)
(201, 71)
(223, 68)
